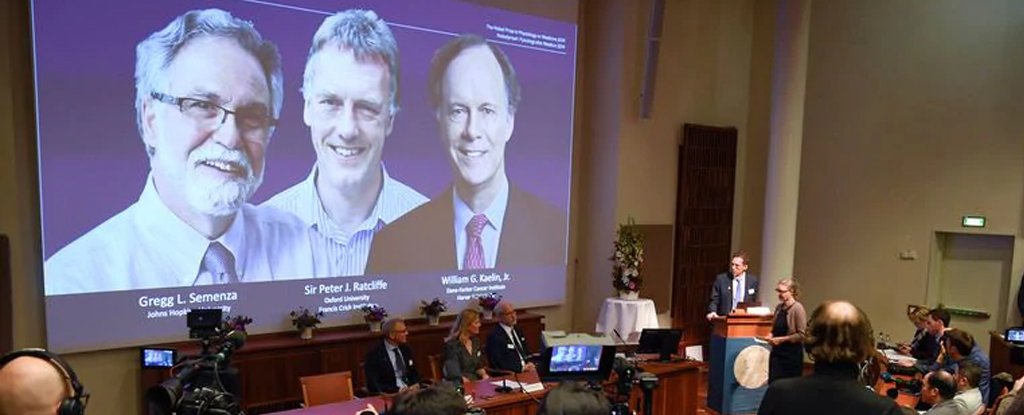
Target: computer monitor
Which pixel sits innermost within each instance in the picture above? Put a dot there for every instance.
(664, 342)
(586, 362)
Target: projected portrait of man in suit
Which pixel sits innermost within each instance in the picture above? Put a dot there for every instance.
(482, 221)
(351, 95)
(208, 91)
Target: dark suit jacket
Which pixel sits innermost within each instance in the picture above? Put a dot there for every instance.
(533, 233)
(832, 389)
(380, 375)
(501, 352)
(721, 293)
(459, 362)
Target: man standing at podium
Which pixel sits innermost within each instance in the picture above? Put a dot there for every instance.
(733, 287)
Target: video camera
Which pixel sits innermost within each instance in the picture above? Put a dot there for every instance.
(628, 376)
(197, 385)
(911, 386)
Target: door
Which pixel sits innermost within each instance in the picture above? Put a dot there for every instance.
(973, 275)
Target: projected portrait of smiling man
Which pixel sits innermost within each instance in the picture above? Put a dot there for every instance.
(483, 221)
(208, 91)
(351, 90)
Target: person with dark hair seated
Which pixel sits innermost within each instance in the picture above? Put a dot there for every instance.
(838, 339)
(435, 400)
(961, 350)
(572, 398)
(968, 376)
(924, 345)
(938, 389)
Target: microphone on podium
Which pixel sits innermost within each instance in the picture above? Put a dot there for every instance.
(504, 388)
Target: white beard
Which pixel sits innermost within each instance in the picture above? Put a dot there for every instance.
(219, 197)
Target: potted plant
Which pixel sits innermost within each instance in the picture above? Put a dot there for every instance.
(627, 259)
(236, 323)
(488, 303)
(433, 310)
(374, 315)
(305, 321)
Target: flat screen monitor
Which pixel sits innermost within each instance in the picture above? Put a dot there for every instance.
(587, 362)
(664, 342)
(158, 357)
(1015, 335)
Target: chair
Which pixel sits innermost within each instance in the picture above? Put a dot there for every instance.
(326, 388)
(435, 367)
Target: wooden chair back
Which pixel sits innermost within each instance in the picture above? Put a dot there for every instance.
(327, 388)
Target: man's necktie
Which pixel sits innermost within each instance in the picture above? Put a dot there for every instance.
(474, 258)
(737, 293)
(518, 345)
(219, 262)
(400, 363)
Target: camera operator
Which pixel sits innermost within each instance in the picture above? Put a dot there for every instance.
(434, 400)
(572, 398)
(37, 382)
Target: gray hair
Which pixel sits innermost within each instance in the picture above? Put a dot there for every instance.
(366, 35)
(389, 325)
(155, 54)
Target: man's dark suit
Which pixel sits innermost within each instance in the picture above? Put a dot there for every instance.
(501, 352)
(533, 233)
(380, 375)
(721, 293)
(832, 389)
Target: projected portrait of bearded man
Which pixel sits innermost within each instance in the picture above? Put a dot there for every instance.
(481, 221)
(209, 89)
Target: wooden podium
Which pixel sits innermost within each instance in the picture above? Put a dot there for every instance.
(738, 367)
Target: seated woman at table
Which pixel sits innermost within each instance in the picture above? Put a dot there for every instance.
(462, 356)
(924, 346)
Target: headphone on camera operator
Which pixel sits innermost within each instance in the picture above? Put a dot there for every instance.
(73, 405)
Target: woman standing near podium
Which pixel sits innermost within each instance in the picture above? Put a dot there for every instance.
(788, 330)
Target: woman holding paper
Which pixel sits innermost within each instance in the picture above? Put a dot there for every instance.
(788, 330)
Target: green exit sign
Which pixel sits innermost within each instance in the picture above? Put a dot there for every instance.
(973, 221)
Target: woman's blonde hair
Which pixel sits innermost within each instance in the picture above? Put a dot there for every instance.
(460, 327)
(793, 286)
(918, 314)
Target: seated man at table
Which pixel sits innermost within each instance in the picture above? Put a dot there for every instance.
(970, 397)
(938, 390)
(506, 345)
(389, 367)
(435, 400)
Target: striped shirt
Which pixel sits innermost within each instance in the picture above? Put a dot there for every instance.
(348, 251)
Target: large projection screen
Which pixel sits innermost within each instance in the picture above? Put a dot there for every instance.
(150, 160)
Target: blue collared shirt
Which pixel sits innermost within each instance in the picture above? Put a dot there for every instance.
(148, 246)
(491, 234)
(348, 251)
(399, 376)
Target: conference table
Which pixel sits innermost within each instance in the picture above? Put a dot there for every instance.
(676, 394)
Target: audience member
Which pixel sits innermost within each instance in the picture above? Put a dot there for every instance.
(968, 377)
(924, 345)
(462, 356)
(938, 390)
(390, 367)
(1004, 406)
(936, 325)
(962, 349)
(37, 382)
(506, 345)
(572, 398)
(435, 400)
(839, 338)
(787, 337)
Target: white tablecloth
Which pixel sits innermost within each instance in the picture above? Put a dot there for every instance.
(629, 317)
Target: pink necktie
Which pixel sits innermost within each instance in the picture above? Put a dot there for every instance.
(474, 258)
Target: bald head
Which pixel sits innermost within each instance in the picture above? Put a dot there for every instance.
(30, 386)
(507, 313)
(839, 332)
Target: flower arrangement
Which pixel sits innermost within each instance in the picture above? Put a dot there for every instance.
(236, 323)
(489, 302)
(433, 308)
(627, 258)
(303, 318)
(374, 312)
